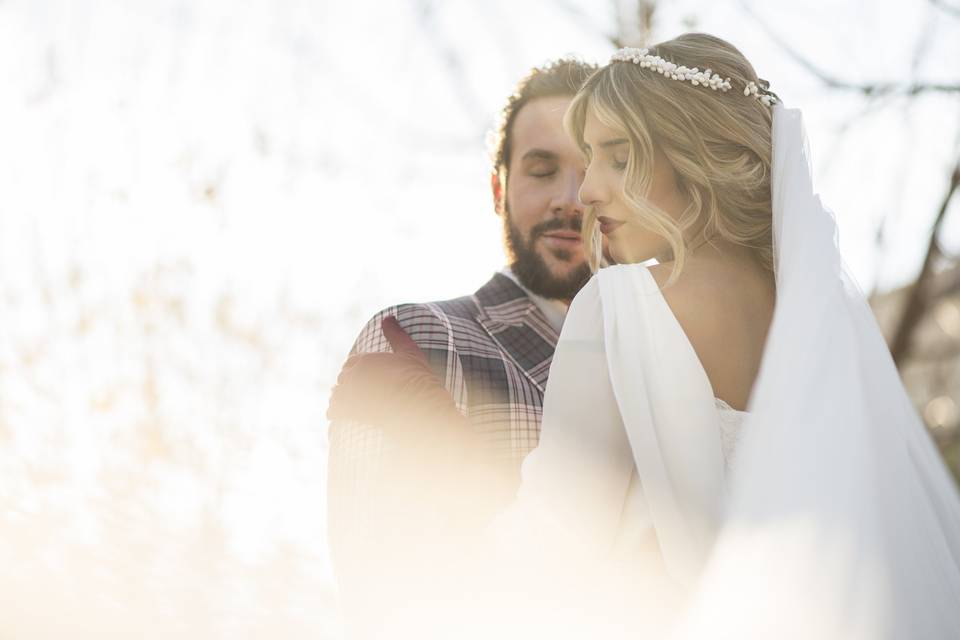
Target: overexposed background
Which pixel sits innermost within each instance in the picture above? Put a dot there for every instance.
(202, 201)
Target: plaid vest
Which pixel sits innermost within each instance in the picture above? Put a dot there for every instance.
(492, 350)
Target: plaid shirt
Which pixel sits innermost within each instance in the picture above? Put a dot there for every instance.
(492, 350)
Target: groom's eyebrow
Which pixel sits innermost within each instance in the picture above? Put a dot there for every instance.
(540, 154)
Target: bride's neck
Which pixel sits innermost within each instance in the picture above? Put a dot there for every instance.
(718, 251)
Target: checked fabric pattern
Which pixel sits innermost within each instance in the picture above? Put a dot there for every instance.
(492, 350)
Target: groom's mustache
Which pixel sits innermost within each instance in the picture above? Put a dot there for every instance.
(573, 224)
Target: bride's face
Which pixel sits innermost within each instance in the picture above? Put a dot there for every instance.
(629, 240)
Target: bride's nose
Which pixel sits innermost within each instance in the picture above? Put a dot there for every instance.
(590, 191)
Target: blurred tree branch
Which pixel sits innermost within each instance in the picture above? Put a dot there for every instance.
(868, 89)
(634, 22)
(921, 296)
(947, 8)
(587, 20)
(452, 61)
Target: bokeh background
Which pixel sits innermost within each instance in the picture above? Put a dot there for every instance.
(202, 201)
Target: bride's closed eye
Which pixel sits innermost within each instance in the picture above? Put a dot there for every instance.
(617, 161)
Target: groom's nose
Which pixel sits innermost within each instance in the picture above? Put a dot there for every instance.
(565, 201)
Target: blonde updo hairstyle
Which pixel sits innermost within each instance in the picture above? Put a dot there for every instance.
(718, 143)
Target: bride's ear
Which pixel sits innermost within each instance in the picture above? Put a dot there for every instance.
(496, 187)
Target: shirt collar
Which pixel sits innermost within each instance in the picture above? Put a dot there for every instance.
(554, 310)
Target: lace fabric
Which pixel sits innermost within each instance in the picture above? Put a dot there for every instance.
(731, 424)
(637, 535)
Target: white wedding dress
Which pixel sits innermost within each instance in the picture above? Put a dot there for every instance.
(823, 512)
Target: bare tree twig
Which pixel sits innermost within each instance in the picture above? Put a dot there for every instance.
(586, 20)
(362, 100)
(950, 284)
(947, 8)
(919, 297)
(452, 61)
(922, 46)
(634, 23)
(645, 11)
(936, 356)
(868, 108)
(868, 89)
(897, 187)
(503, 32)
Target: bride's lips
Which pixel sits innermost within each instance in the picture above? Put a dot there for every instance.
(563, 239)
(608, 225)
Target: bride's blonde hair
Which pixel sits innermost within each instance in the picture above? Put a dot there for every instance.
(718, 143)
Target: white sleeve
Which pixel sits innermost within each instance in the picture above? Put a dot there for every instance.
(574, 483)
(626, 393)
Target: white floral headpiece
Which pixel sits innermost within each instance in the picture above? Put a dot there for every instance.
(693, 75)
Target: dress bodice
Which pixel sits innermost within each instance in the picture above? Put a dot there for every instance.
(658, 441)
(731, 421)
(637, 538)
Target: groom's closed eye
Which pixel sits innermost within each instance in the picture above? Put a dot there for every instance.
(540, 163)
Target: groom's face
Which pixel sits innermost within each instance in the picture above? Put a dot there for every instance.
(540, 206)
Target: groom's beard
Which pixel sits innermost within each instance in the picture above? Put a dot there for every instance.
(531, 269)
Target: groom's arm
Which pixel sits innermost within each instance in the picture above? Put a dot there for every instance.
(371, 537)
(358, 452)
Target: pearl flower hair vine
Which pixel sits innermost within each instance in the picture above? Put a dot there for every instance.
(694, 76)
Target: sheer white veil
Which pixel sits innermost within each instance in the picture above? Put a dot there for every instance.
(843, 521)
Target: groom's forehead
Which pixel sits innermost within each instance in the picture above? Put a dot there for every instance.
(539, 125)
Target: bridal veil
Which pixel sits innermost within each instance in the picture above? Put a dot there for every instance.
(838, 518)
(843, 521)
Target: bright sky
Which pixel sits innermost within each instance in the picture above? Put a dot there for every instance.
(201, 202)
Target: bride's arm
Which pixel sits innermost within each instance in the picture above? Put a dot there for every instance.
(575, 482)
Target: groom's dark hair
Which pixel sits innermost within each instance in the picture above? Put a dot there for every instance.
(561, 77)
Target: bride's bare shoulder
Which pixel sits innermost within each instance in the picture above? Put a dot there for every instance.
(725, 312)
(694, 290)
(695, 298)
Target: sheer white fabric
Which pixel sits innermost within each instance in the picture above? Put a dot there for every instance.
(632, 436)
(841, 520)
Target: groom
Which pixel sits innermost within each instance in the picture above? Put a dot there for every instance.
(491, 349)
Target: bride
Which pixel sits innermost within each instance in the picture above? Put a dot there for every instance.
(729, 420)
